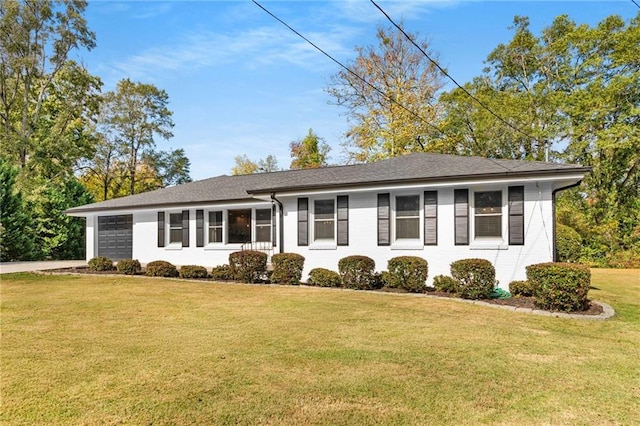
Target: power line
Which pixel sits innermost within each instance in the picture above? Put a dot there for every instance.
(389, 98)
(447, 74)
(636, 3)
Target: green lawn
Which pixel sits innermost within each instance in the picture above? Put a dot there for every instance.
(132, 350)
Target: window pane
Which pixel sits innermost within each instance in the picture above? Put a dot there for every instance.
(488, 226)
(175, 220)
(215, 218)
(488, 202)
(239, 226)
(263, 233)
(263, 216)
(323, 230)
(323, 209)
(408, 205)
(407, 228)
(215, 234)
(175, 235)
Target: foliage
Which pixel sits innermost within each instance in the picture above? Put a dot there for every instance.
(408, 273)
(322, 277)
(101, 263)
(357, 272)
(445, 283)
(245, 166)
(287, 268)
(222, 273)
(521, 288)
(129, 266)
(309, 153)
(394, 69)
(16, 231)
(193, 271)
(268, 165)
(560, 286)
(248, 266)
(475, 278)
(568, 244)
(161, 268)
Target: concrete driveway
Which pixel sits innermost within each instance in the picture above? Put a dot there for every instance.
(10, 267)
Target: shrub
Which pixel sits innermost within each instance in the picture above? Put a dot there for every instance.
(248, 266)
(160, 268)
(101, 263)
(324, 278)
(521, 288)
(193, 271)
(560, 286)
(475, 278)
(129, 266)
(357, 272)
(568, 243)
(287, 268)
(445, 283)
(222, 273)
(408, 273)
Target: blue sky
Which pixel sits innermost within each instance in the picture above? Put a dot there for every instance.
(239, 82)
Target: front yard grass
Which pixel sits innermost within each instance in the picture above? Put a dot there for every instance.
(136, 350)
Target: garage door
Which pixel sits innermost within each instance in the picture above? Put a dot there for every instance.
(115, 236)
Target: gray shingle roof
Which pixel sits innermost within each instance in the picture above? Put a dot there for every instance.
(418, 167)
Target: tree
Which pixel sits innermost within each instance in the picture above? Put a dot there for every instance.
(309, 152)
(395, 106)
(268, 165)
(16, 232)
(133, 115)
(168, 167)
(244, 166)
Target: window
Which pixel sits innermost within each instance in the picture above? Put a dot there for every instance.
(263, 225)
(239, 226)
(323, 220)
(488, 214)
(215, 227)
(407, 217)
(175, 228)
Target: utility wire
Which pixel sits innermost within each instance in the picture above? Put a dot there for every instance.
(636, 3)
(389, 98)
(449, 76)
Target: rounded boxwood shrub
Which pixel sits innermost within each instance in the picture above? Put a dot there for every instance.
(568, 243)
(287, 268)
(357, 272)
(193, 271)
(407, 273)
(444, 283)
(101, 263)
(560, 286)
(521, 288)
(161, 268)
(129, 266)
(322, 277)
(222, 273)
(248, 266)
(475, 278)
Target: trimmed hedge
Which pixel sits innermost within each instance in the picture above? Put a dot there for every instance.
(408, 273)
(357, 272)
(445, 283)
(287, 268)
(193, 271)
(101, 263)
(560, 286)
(222, 273)
(248, 266)
(521, 288)
(475, 278)
(322, 277)
(129, 266)
(161, 268)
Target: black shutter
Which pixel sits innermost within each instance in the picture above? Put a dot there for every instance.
(516, 215)
(273, 225)
(199, 228)
(343, 220)
(384, 219)
(160, 229)
(185, 228)
(461, 204)
(303, 221)
(430, 218)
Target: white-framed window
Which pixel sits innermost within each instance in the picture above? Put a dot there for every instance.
(239, 226)
(175, 228)
(488, 221)
(324, 220)
(215, 227)
(263, 225)
(407, 217)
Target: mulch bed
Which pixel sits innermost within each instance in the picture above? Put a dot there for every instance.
(517, 302)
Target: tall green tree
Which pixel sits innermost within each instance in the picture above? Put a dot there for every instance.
(309, 152)
(393, 105)
(16, 228)
(134, 115)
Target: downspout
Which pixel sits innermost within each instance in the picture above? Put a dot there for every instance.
(553, 209)
(280, 222)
